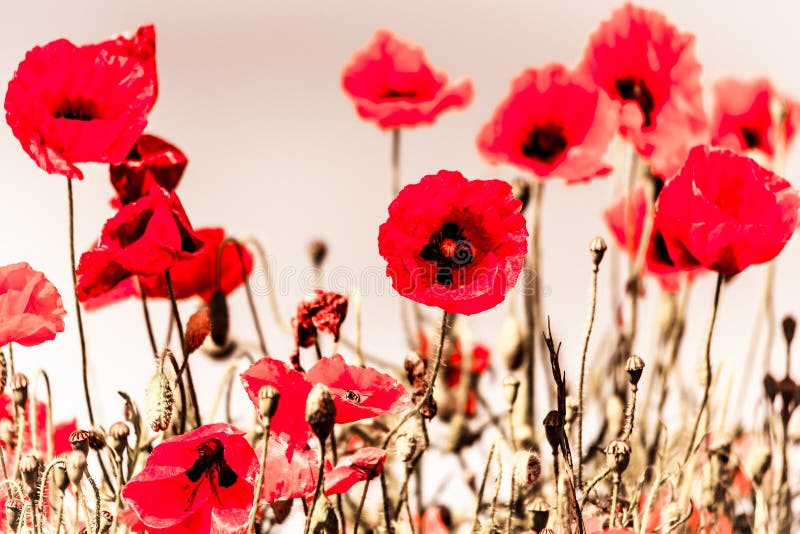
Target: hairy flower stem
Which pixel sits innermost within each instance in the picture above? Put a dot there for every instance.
(339, 506)
(532, 303)
(96, 502)
(497, 479)
(251, 520)
(614, 496)
(361, 506)
(78, 316)
(631, 411)
(579, 415)
(320, 483)
(511, 497)
(475, 524)
(147, 321)
(707, 385)
(182, 340)
(590, 486)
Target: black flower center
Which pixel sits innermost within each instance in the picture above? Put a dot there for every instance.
(450, 250)
(394, 93)
(545, 143)
(751, 137)
(210, 461)
(131, 231)
(352, 396)
(636, 90)
(76, 110)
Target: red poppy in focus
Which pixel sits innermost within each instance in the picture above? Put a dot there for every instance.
(365, 464)
(31, 311)
(454, 243)
(292, 472)
(752, 115)
(656, 261)
(201, 481)
(391, 83)
(358, 393)
(641, 60)
(725, 212)
(290, 418)
(140, 46)
(151, 160)
(68, 104)
(551, 124)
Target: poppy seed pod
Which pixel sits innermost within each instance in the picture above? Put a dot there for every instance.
(527, 467)
(597, 248)
(553, 428)
(320, 411)
(118, 437)
(60, 476)
(540, 513)
(76, 466)
(634, 367)
(96, 439)
(13, 513)
(789, 325)
(220, 320)
(159, 402)
(79, 440)
(618, 455)
(268, 397)
(19, 389)
(510, 389)
(29, 466)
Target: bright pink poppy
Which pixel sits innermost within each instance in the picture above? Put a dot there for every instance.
(151, 160)
(391, 83)
(725, 212)
(201, 481)
(358, 392)
(641, 60)
(31, 311)
(363, 465)
(454, 243)
(744, 116)
(68, 104)
(551, 124)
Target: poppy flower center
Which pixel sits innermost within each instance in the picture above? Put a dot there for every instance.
(76, 110)
(545, 143)
(131, 231)
(211, 461)
(751, 138)
(390, 93)
(636, 90)
(450, 250)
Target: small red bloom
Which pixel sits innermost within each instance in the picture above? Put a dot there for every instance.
(30, 306)
(358, 393)
(68, 104)
(454, 243)
(151, 160)
(725, 212)
(201, 481)
(551, 124)
(657, 260)
(745, 116)
(291, 472)
(391, 83)
(365, 464)
(641, 60)
(324, 311)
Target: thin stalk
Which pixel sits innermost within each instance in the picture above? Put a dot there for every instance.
(251, 520)
(270, 289)
(707, 385)
(511, 498)
(147, 321)
(339, 507)
(631, 411)
(395, 162)
(592, 309)
(497, 480)
(96, 501)
(614, 496)
(590, 486)
(531, 293)
(78, 316)
(361, 505)
(482, 487)
(320, 483)
(185, 364)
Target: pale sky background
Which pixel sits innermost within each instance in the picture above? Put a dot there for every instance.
(250, 90)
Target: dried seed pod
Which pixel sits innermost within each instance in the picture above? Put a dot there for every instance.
(510, 389)
(527, 467)
(19, 389)
(540, 513)
(598, 249)
(406, 445)
(317, 252)
(634, 367)
(158, 403)
(618, 456)
(106, 520)
(281, 510)
(79, 439)
(511, 345)
(60, 477)
(118, 437)
(13, 513)
(220, 321)
(268, 397)
(553, 427)
(320, 411)
(29, 466)
(97, 441)
(76, 466)
(521, 189)
(789, 325)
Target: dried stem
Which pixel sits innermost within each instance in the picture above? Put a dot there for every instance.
(251, 520)
(579, 415)
(42, 374)
(532, 304)
(147, 322)
(590, 486)
(482, 487)
(182, 340)
(497, 479)
(320, 483)
(614, 496)
(96, 502)
(361, 505)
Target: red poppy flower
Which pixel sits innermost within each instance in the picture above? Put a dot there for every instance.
(454, 243)
(324, 311)
(657, 260)
(744, 116)
(140, 46)
(201, 481)
(358, 393)
(292, 472)
(551, 124)
(68, 104)
(641, 60)
(151, 160)
(290, 418)
(391, 83)
(365, 464)
(30, 306)
(725, 212)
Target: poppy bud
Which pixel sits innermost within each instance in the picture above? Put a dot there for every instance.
(268, 398)
(317, 251)
(789, 392)
(280, 510)
(323, 518)
(60, 477)
(634, 367)
(19, 389)
(96, 440)
(510, 389)
(511, 344)
(553, 427)
(789, 325)
(320, 411)
(76, 465)
(79, 439)
(540, 513)
(29, 468)
(118, 437)
(770, 387)
(618, 455)
(106, 520)
(521, 189)
(527, 467)
(598, 249)
(197, 329)
(158, 403)
(220, 322)
(13, 513)
(3, 371)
